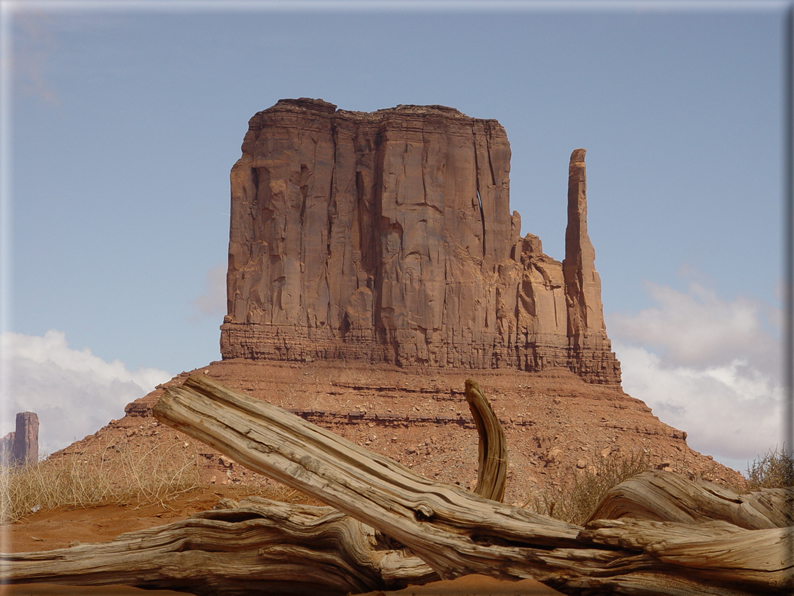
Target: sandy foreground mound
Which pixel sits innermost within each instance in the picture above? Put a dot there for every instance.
(470, 585)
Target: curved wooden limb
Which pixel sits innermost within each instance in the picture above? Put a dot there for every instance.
(261, 546)
(267, 547)
(455, 531)
(664, 496)
(492, 468)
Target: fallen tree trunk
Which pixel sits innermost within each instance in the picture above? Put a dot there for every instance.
(661, 496)
(452, 530)
(258, 546)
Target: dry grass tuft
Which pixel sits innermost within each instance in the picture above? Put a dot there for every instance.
(100, 474)
(575, 504)
(774, 470)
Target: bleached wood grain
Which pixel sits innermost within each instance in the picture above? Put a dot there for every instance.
(258, 546)
(662, 496)
(453, 531)
(492, 449)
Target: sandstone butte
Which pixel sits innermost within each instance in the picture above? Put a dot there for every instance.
(374, 265)
(388, 237)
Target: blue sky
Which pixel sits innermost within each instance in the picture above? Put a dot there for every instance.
(121, 127)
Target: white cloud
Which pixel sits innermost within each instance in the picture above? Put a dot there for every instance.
(732, 411)
(708, 366)
(698, 328)
(212, 303)
(73, 392)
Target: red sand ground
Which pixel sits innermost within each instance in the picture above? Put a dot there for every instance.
(470, 585)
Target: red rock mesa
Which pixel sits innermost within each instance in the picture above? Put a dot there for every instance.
(388, 237)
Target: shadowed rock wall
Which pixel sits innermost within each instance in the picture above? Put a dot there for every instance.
(388, 237)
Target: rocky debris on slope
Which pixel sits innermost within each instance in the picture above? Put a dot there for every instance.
(387, 237)
(21, 446)
(557, 425)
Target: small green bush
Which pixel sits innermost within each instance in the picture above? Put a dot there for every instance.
(774, 470)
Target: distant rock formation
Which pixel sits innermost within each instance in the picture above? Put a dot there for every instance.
(21, 446)
(388, 237)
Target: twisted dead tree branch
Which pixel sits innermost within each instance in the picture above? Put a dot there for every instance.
(661, 496)
(492, 457)
(452, 531)
(257, 546)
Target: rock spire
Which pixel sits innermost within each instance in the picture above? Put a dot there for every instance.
(21, 446)
(388, 237)
(587, 332)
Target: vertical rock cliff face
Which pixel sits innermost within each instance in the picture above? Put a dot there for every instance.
(388, 237)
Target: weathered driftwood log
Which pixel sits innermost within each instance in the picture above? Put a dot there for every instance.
(450, 528)
(756, 560)
(492, 458)
(275, 548)
(454, 531)
(257, 547)
(662, 496)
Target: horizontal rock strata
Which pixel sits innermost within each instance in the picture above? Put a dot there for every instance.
(558, 426)
(387, 237)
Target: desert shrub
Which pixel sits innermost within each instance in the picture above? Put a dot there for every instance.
(774, 470)
(575, 503)
(113, 473)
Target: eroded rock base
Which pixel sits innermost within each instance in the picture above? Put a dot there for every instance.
(557, 425)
